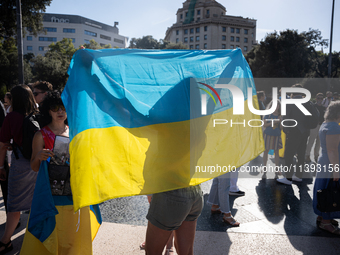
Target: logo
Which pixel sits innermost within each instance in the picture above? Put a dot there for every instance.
(238, 99)
(204, 98)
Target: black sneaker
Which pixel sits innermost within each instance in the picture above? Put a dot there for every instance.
(238, 193)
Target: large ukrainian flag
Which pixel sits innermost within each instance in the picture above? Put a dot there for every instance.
(136, 125)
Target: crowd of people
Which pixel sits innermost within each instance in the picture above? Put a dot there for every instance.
(172, 215)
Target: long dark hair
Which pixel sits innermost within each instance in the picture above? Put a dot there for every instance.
(23, 100)
(51, 99)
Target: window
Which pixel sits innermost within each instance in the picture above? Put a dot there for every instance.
(185, 31)
(186, 14)
(245, 31)
(69, 30)
(105, 37)
(208, 12)
(185, 39)
(237, 30)
(205, 28)
(87, 41)
(29, 47)
(237, 46)
(50, 29)
(224, 38)
(237, 39)
(245, 40)
(47, 39)
(191, 30)
(191, 47)
(224, 29)
(197, 29)
(232, 30)
(191, 39)
(198, 19)
(223, 46)
(177, 40)
(118, 41)
(197, 46)
(90, 33)
(197, 38)
(181, 16)
(205, 46)
(231, 46)
(177, 32)
(198, 12)
(41, 48)
(231, 38)
(29, 38)
(245, 48)
(205, 37)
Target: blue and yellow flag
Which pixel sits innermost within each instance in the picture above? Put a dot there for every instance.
(53, 228)
(138, 124)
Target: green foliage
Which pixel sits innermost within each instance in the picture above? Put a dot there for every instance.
(8, 64)
(148, 42)
(32, 11)
(289, 54)
(93, 45)
(64, 47)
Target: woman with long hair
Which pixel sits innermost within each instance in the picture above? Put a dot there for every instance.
(70, 233)
(21, 179)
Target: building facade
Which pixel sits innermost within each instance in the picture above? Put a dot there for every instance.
(81, 30)
(203, 24)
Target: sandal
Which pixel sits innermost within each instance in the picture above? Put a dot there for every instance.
(7, 247)
(335, 231)
(232, 223)
(142, 246)
(333, 222)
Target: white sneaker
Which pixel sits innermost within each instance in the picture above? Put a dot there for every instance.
(296, 179)
(284, 181)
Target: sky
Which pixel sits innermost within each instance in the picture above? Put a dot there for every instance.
(139, 18)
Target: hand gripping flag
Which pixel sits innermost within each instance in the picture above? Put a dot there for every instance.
(142, 121)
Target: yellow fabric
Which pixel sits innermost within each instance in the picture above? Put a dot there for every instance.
(116, 162)
(282, 150)
(73, 234)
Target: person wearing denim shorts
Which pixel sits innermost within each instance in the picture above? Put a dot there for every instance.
(175, 210)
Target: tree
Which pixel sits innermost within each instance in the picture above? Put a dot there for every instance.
(284, 54)
(148, 42)
(53, 66)
(93, 45)
(32, 12)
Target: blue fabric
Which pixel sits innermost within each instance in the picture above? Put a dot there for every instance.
(42, 217)
(272, 131)
(323, 177)
(123, 87)
(43, 211)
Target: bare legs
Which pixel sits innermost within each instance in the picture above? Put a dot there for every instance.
(157, 238)
(11, 224)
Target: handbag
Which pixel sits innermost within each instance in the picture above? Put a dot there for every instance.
(329, 198)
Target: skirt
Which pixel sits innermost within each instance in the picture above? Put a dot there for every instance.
(272, 142)
(21, 183)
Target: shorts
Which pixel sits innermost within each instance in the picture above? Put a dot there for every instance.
(169, 209)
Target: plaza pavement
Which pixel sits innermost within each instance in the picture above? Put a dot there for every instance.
(275, 219)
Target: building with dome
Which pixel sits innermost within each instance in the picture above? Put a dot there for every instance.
(203, 24)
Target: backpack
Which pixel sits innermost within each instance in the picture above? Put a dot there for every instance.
(311, 121)
(30, 127)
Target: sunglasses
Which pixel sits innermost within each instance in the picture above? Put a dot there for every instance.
(55, 108)
(37, 93)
